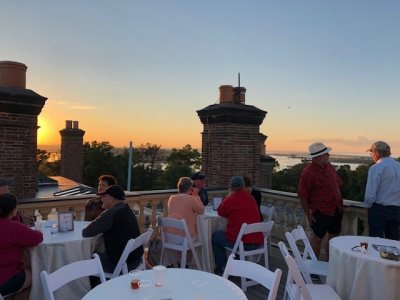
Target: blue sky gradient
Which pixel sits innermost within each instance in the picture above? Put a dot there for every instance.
(138, 70)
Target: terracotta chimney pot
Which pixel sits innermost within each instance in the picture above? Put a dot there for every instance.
(13, 74)
(225, 94)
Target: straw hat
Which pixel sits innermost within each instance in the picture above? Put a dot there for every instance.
(318, 149)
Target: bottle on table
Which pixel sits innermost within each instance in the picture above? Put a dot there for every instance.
(53, 215)
(37, 216)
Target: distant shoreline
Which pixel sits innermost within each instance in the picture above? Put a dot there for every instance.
(335, 158)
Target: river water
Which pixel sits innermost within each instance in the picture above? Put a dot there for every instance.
(288, 161)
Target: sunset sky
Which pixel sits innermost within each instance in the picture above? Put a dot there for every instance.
(138, 70)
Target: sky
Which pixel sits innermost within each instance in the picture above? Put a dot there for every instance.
(138, 71)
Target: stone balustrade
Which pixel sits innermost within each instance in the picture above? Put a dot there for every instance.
(148, 204)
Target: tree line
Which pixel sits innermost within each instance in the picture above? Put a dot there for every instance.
(354, 181)
(153, 168)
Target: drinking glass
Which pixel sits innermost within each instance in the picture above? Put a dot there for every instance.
(54, 229)
(159, 275)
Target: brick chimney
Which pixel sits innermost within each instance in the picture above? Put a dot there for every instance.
(231, 138)
(72, 151)
(19, 108)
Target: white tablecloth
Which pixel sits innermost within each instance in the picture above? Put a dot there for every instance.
(59, 250)
(179, 284)
(357, 276)
(206, 225)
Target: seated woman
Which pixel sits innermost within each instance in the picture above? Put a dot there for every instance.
(186, 205)
(15, 236)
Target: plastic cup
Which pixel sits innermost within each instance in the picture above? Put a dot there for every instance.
(144, 283)
(159, 275)
(135, 284)
(135, 273)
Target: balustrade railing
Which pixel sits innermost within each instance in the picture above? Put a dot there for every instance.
(149, 204)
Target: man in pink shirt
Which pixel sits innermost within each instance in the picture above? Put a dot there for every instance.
(186, 205)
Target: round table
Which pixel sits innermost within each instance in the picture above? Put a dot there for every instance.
(179, 284)
(58, 250)
(356, 275)
(206, 224)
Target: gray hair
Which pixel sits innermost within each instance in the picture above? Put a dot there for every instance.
(184, 184)
(384, 153)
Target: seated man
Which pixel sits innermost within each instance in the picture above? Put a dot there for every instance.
(94, 206)
(199, 179)
(239, 207)
(118, 224)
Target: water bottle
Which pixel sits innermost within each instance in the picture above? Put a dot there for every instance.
(37, 215)
(53, 215)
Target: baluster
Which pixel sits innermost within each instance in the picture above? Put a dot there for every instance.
(141, 219)
(153, 217)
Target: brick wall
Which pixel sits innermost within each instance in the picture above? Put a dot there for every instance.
(72, 153)
(230, 149)
(231, 142)
(18, 148)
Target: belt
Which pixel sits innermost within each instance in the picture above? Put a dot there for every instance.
(385, 206)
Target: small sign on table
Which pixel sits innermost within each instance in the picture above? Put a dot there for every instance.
(65, 221)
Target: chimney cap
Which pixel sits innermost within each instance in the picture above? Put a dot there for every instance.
(12, 74)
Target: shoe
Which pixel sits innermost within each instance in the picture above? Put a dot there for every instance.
(218, 271)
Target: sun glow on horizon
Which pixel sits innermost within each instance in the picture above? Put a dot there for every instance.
(43, 131)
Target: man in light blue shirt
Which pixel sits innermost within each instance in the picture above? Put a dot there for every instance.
(382, 194)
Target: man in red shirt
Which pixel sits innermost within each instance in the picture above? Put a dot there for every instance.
(319, 194)
(239, 207)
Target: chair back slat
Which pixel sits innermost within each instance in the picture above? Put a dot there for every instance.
(253, 271)
(239, 246)
(292, 237)
(131, 245)
(175, 241)
(294, 276)
(53, 281)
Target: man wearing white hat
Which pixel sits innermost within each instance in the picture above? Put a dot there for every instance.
(382, 194)
(319, 194)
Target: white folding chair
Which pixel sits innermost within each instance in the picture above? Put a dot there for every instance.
(131, 246)
(296, 288)
(268, 213)
(178, 242)
(238, 247)
(70, 272)
(255, 272)
(307, 262)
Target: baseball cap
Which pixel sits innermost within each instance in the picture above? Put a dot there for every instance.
(236, 181)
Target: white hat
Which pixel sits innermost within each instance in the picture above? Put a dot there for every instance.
(318, 149)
